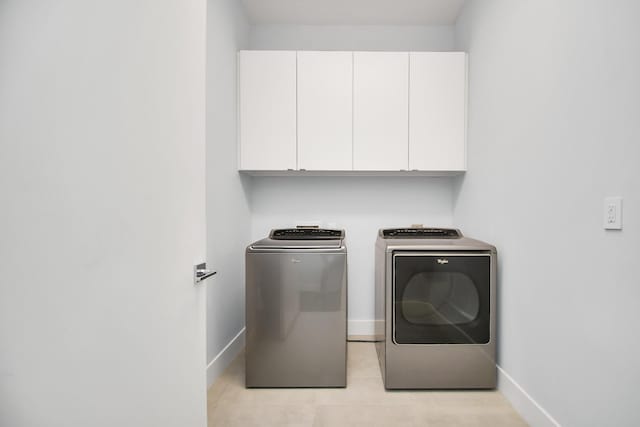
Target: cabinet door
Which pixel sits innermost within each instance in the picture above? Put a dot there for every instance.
(325, 110)
(380, 110)
(437, 111)
(267, 110)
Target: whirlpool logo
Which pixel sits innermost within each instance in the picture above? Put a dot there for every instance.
(443, 261)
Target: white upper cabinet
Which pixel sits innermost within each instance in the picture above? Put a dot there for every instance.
(352, 111)
(267, 110)
(437, 111)
(325, 110)
(380, 110)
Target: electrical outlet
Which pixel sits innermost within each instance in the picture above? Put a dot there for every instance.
(613, 213)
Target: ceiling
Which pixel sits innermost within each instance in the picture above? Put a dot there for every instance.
(353, 12)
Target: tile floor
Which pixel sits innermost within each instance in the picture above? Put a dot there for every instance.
(363, 403)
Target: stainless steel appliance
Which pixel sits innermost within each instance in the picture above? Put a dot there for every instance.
(435, 306)
(296, 309)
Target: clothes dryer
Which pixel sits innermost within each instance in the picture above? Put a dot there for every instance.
(435, 306)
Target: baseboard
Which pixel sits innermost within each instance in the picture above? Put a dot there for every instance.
(361, 330)
(225, 357)
(529, 409)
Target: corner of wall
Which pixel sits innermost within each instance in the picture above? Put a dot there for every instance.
(228, 198)
(220, 362)
(527, 407)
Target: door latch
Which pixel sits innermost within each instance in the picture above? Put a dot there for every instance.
(200, 273)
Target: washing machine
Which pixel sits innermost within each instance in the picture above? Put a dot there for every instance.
(435, 309)
(296, 309)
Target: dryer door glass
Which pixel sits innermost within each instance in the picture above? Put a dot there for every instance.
(441, 299)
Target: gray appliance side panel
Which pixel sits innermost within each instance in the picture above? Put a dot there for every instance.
(380, 301)
(296, 324)
(379, 293)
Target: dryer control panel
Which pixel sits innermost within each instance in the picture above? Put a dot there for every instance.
(421, 233)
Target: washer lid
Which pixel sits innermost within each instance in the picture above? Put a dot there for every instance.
(271, 244)
(420, 233)
(301, 238)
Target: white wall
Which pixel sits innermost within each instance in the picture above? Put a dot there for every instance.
(360, 205)
(102, 213)
(345, 37)
(228, 216)
(553, 129)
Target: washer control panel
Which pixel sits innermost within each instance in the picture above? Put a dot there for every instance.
(306, 234)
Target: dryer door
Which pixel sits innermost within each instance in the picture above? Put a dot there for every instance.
(441, 298)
